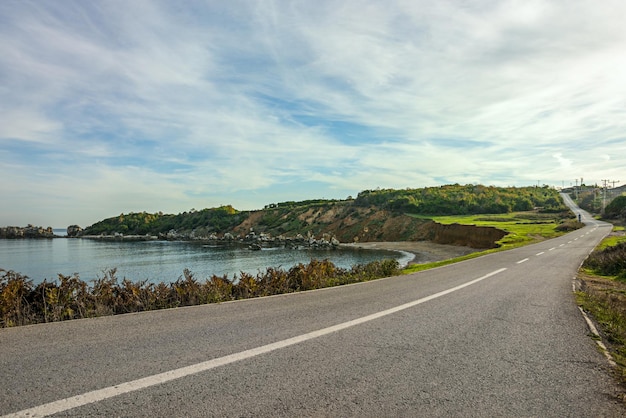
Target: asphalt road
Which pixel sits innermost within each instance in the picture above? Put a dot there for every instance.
(499, 335)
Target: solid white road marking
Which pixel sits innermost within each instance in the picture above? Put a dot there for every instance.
(134, 385)
(599, 342)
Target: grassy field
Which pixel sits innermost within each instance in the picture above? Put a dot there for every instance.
(612, 240)
(523, 228)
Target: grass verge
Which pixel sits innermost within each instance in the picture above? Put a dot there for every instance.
(604, 299)
(602, 295)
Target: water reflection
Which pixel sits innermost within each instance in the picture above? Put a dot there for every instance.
(161, 260)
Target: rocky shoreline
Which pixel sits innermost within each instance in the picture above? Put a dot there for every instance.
(29, 231)
(422, 251)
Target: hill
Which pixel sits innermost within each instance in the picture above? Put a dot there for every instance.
(375, 215)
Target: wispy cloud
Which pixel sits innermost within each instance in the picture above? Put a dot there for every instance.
(115, 106)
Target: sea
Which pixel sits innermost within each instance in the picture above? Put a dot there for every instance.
(163, 261)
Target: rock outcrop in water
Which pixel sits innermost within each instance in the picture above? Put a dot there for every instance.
(74, 231)
(29, 231)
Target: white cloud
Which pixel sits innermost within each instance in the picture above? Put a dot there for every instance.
(27, 125)
(161, 104)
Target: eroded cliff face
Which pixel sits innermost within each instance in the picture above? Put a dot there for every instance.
(361, 224)
(467, 235)
(384, 227)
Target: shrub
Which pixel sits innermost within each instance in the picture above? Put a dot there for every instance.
(15, 290)
(609, 262)
(71, 298)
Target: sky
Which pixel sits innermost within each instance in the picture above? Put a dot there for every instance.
(110, 107)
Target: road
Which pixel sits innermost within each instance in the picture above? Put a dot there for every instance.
(498, 335)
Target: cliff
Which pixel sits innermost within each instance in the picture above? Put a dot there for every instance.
(313, 223)
(466, 235)
(349, 224)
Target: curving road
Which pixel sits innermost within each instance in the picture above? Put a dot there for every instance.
(499, 335)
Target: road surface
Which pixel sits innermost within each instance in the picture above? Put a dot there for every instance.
(499, 335)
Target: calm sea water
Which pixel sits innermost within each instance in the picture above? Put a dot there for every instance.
(162, 261)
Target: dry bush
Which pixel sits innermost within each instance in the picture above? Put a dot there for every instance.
(71, 298)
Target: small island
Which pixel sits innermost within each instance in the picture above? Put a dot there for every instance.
(29, 231)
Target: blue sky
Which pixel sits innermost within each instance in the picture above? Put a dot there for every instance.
(114, 106)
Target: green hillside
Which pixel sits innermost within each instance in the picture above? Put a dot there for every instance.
(342, 218)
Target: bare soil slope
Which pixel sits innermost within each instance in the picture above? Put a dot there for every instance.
(350, 224)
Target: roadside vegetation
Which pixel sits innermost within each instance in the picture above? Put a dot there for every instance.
(603, 294)
(69, 297)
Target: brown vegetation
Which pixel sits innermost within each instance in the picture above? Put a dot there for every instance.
(22, 303)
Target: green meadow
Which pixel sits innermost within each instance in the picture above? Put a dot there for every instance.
(612, 240)
(522, 228)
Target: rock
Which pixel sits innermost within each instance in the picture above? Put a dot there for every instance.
(30, 231)
(74, 231)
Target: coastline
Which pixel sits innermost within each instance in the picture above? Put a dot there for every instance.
(422, 251)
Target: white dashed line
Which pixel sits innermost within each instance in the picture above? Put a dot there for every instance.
(522, 261)
(538, 254)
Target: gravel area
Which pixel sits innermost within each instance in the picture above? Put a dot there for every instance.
(424, 251)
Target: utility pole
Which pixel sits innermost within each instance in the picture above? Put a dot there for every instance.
(604, 185)
(612, 192)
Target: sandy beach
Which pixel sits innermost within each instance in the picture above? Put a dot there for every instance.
(423, 251)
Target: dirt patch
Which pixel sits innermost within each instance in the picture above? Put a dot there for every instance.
(468, 235)
(249, 223)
